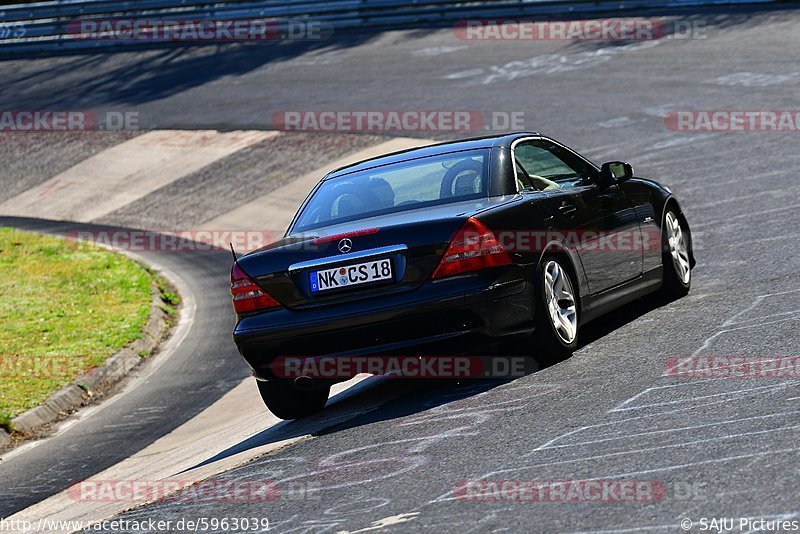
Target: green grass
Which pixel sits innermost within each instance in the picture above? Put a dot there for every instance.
(64, 309)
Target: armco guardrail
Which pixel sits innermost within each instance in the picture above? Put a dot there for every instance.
(48, 27)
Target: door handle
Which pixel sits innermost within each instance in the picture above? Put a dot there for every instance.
(567, 209)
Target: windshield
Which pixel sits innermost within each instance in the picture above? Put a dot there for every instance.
(401, 186)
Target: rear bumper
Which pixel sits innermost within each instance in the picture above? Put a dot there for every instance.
(446, 321)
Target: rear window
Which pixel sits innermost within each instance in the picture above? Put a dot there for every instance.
(401, 186)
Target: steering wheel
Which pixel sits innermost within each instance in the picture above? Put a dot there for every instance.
(453, 173)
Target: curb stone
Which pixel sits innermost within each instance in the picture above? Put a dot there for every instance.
(96, 381)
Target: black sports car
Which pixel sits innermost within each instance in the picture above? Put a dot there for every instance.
(451, 246)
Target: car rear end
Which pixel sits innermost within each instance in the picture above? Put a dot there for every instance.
(428, 278)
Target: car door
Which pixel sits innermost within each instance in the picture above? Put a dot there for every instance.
(600, 224)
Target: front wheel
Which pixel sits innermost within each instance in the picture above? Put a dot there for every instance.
(556, 311)
(675, 258)
(287, 401)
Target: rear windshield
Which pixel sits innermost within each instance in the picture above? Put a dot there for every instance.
(401, 186)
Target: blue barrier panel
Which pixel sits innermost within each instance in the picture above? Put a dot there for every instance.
(44, 27)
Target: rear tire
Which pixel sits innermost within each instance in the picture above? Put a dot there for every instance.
(287, 401)
(556, 310)
(675, 257)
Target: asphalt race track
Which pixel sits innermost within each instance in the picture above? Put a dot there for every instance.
(720, 448)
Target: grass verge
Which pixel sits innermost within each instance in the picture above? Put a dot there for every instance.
(65, 308)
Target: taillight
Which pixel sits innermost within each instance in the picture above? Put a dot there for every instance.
(473, 248)
(247, 295)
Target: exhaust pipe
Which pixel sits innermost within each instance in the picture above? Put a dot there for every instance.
(304, 382)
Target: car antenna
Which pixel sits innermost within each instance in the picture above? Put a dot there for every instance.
(235, 259)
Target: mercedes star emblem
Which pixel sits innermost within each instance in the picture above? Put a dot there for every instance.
(345, 246)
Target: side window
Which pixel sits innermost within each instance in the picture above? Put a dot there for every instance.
(551, 167)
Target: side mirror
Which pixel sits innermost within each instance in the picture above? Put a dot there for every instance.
(615, 172)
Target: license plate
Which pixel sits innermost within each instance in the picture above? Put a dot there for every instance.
(351, 275)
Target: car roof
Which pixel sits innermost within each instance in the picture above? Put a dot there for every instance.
(504, 140)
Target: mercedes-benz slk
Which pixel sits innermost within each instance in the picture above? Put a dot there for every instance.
(445, 248)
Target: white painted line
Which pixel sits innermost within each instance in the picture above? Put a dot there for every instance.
(383, 523)
(776, 387)
(617, 437)
(126, 172)
(691, 408)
